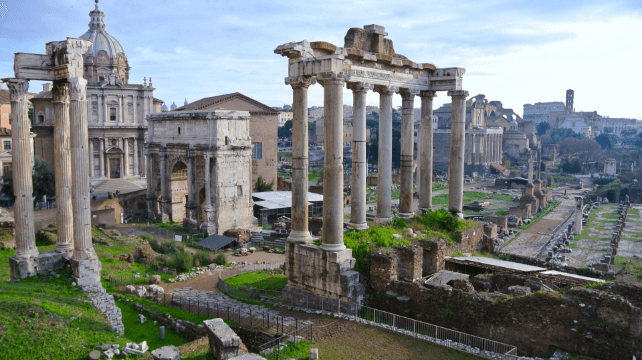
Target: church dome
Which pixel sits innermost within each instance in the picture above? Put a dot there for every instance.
(105, 53)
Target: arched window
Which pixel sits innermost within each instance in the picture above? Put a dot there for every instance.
(179, 131)
(41, 119)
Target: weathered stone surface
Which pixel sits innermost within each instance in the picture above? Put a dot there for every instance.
(94, 355)
(155, 279)
(517, 290)
(314, 354)
(224, 343)
(169, 352)
(248, 357)
(463, 285)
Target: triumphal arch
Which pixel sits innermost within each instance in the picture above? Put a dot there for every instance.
(366, 62)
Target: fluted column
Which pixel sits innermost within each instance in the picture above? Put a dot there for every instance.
(384, 176)
(165, 199)
(426, 139)
(208, 225)
(300, 233)
(21, 170)
(62, 166)
(152, 208)
(407, 155)
(83, 248)
(106, 113)
(101, 145)
(456, 166)
(530, 167)
(332, 83)
(499, 148)
(91, 157)
(191, 206)
(136, 169)
(125, 157)
(469, 148)
(359, 162)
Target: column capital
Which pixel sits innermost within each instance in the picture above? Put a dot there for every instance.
(300, 81)
(455, 93)
(60, 91)
(17, 88)
(385, 89)
(163, 152)
(332, 78)
(360, 86)
(408, 93)
(78, 88)
(190, 154)
(428, 94)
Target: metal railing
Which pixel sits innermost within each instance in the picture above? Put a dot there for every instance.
(244, 292)
(274, 346)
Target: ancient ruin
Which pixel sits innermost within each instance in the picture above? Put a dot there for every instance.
(62, 64)
(200, 166)
(366, 62)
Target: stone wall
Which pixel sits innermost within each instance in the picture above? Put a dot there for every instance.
(581, 321)
(500, 221)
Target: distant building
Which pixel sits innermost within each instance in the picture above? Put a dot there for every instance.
(541, 111)
(5, 108)
(271, 205)
(284, 116)
(576, 123)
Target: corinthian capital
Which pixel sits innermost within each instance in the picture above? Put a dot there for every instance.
(332, 78)
(60, 91)
(300, 81)
(17, 89)
(78, 88)
(427, 94)
(408, 93)
(360, 86)
(385, 89)
(456, 93)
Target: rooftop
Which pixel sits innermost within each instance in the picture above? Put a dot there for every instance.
(280, 199)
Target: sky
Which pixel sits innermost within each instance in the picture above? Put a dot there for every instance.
(518, 52)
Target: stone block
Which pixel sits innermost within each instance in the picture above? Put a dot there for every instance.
(224, 343)
(517, 290)
(94, 355)
(155, 279)
(248, 357)
(463, 285)
(314, 354)
(142, 319)
(169, 352)
(410, 263)
(383, 269)
(86, 272)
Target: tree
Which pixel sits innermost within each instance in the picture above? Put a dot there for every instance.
(587, 150)
(543, 127)
(43, 181)
(285, 131)
(608, 130)
(261, 185)
(604, 141)
(629, 132)
(372, 123)
(559, 135)
(573, 167)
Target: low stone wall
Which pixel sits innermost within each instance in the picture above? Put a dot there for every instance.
(105, 304)
(186, 329)
(500, 221)
(581, 321)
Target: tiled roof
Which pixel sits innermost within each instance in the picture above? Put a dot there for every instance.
(209, 101)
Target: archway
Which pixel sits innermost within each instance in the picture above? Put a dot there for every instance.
(178, 188)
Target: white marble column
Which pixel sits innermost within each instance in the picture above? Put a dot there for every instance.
(83, 248)
(407, 155)
(530, 167)
(456, 166)
(332, 83)
(63, 170)
(101, 146)
(125, 157)
(136, 169)
(190, 222)
(21, 170)
(384, 176)
(426, 139)
(105, 111)
(468, 147)
(91, 157)
(299, 231)
(499, 149)
(165, 199)
(152, 207)
(121, 109)
(359, 161)
(577, 227)
(208, 225)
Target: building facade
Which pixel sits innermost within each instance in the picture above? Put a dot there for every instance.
(541, 111)
(263, 129)
(116, 110)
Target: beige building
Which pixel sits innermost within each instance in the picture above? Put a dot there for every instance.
(263, 129)
(116, 110)
(284, 116)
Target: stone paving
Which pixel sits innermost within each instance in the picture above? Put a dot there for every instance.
(631, 241)
(591, 246)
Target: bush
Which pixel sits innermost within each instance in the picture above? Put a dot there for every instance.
(220, 259)
(168, 247)
(399, 223)
(201, 258)
(441, 219)
(181, 261)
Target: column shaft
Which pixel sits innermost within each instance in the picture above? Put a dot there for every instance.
(62, 168)
(300, 233)
(125, 157)
(407, 155)
(359, 162)
(21, 170)
(426, 139)
(91, 158)
(384, 176)
(136, 169)
(152, 208)
(333, 160)
(208, 185)
(83, 248)
(101, 145)
(456, 166)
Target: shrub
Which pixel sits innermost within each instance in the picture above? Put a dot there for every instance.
(201, 258)
(168, 247)
(441, 219)
(220, 259)
(181, 260)
(399, 223)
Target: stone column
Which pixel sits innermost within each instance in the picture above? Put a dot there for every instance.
(105, 111)
(189, 222)
(134, 117)
(125, 157)
(152, 207)
(407, 137)
(539, 164)
(299, 233)
(530, 167)
(101, 145)
(121, 116)
(136, 169)
(332, 83)
(456, 166)
(577, 228)
(384, 176)
(91, 157)
(22, 175)
(62, 167)
(85, 264)
(425, 160)
(469, 147)
(359, 162)
(500, 147)
(208, 225)
(165, 199)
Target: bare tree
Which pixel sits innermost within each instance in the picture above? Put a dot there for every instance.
(586, 150)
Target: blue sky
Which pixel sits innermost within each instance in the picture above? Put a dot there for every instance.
(514, 51)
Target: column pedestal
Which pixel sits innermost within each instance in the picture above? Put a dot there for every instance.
(190, 222)
(209, 226)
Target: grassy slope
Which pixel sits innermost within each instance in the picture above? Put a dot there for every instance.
(259, 279)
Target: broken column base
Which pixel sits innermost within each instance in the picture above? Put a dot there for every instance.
(45, 261)
(86, 272)
(313, 271)
(190, 225)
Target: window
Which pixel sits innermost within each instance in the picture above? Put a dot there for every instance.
(41, 119)
(6, 168)
(112, 114)
(7, 144)
(257, 150)
(179, 131)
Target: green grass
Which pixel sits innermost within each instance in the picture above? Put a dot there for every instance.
(633, 212)
(549, 208)
(262, 279)
(300, 351)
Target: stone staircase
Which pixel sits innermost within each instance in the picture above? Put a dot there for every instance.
(101, 188)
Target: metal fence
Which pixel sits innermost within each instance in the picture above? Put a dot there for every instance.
(247, 293)
(274, 346)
